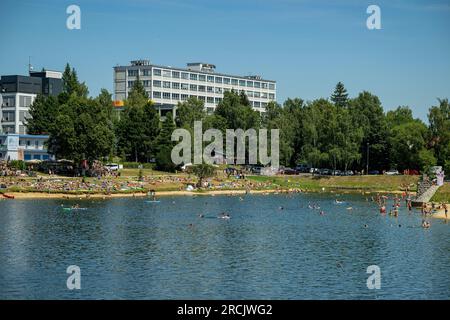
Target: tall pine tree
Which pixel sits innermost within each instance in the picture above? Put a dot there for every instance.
(340, 96)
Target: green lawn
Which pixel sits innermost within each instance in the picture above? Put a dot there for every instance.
(443, 194)
(354, 183)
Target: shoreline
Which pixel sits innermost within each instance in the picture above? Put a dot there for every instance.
(81, 196)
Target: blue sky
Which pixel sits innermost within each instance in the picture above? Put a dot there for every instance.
(306, 45)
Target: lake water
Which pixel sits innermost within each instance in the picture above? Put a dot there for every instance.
(129, 249)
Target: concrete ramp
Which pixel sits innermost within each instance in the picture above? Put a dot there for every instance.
(425, 196)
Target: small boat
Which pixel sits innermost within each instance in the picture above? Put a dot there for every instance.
(7, 196)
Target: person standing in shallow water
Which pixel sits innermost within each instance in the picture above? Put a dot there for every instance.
(445, 206)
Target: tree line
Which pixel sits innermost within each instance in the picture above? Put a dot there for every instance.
(337, 132)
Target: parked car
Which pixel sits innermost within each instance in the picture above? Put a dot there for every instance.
(325, 172)
(289, 171)
(186, 166)
(302, 168)
(392, 172)
(314, 170)
(112, 166)
(348, 173)
(256, 170)
(336, 173)
(374, 172)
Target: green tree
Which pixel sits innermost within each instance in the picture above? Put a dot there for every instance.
(43, 114)
(138, 126)
(202, 171)
(439, 119)
(189, 111)
(340, 96)
(164, 145)
(71, 85)
(367, 114)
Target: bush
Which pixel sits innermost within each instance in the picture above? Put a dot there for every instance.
(18, 165)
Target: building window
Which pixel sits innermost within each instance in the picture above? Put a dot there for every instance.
(133, 73)
(201, 88)
(218, 100)
(166, 84)
(175, 74)
(146, 72)
(166, 73)
(234, 82)
(9, 101)
(24, 101)
(176, 85)
(146, 83)
(184, 86)
(249, 93)
(249, 83)
(272, 86)
(184, 97)
(130, 84)
(263, 104)
(193, 77)
(24, 115)
(271, 96)
(192, 96)
(218, 79)
(226, 80)
(218, 90)
(264, 95)
(193, 87)
(175, 96)
(202, 98)
(201, 77)
(257, 84)
(9, 116)
(210, 89)
(166, 95)
(264, 85)
(210, 99)
(256, 94)
(185, 75)
(157, 83)
(157, 72)
(256, 104)
(242, 83)
(157, 94)
(210, 78)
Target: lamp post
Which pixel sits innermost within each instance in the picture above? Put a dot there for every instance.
(367, 162)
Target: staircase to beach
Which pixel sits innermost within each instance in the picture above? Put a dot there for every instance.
(425, 191)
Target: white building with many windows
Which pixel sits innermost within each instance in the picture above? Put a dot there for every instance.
(167, 86)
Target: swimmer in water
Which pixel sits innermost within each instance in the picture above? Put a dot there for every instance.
(322, 213)
(224, 215)
(200, 215)
(281, 208)
(425, 224)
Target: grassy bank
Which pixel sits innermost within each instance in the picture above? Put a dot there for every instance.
(443, 194)
(350, 183)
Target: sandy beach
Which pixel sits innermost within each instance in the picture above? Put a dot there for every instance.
(43, 195)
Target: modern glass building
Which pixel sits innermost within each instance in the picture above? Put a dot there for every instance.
(167, 86)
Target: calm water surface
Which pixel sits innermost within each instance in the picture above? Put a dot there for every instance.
(130, 249)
